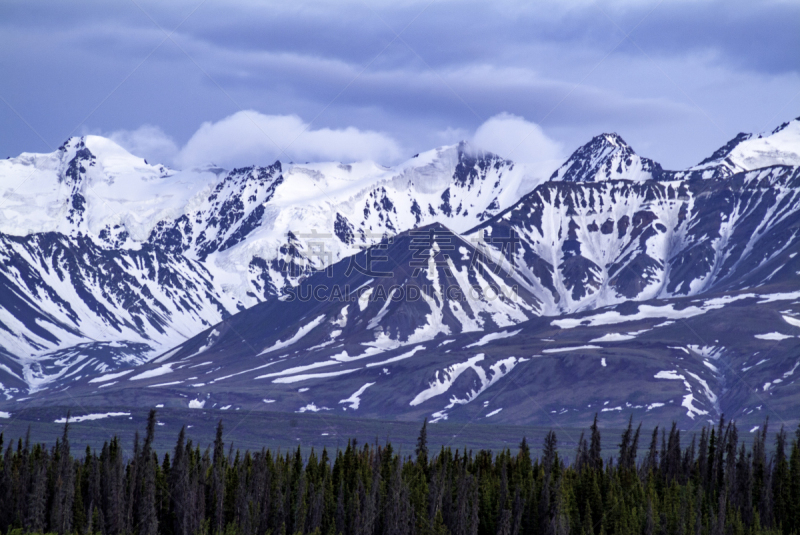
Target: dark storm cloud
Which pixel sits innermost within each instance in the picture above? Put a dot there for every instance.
(690, 76)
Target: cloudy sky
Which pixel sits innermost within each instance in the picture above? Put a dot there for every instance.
(241, 82)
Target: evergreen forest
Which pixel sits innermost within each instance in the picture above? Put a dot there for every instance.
(648, 483)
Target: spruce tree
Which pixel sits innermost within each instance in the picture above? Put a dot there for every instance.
(595, 459)
(422, 445)
(63, 486)
(146, 513)
(781, 484)
(217, 483)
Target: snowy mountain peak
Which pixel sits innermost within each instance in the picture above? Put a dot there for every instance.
(606, 157)
(115, 160)
(90, 185)
(746, 152)
(783, 126)
(72, 145)
(613, 139)
(720, 154)
(98, 247)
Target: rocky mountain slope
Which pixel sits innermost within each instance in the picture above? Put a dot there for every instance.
(614, 286)
(99, 247)
(449, 334)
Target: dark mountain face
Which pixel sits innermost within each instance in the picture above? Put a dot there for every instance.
(421, 285)
(615, 287)
(84, 290)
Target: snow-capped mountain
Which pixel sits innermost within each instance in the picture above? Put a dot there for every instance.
(746, 152)
(101, 247)
(262, 228)
(582, 246)
(439, 330)
(224, 274)
(606, 157)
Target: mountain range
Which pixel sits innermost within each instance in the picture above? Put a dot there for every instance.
(457, 285)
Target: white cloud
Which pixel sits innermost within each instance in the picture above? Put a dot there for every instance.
(252, 138)
(513, 137)
(148, 142)
(249, 137)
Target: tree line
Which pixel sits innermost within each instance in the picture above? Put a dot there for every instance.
(714, 485)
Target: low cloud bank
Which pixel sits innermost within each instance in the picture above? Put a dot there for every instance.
(249, 137)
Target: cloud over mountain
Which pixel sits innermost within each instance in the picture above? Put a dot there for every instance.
(253, 138)
(517, 139)
(248, 137)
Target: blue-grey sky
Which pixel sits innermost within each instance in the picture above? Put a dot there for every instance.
(240, 80)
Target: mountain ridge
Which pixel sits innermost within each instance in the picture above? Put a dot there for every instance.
(609, 229)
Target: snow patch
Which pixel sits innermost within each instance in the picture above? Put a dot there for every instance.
(304, 330)
(614, 337)
(442, 383)
(306, 377)
(791, 321)
(688, 399)
(574, 348)
(493, 336)
(773, 336)
(109, 377)
(404, 356)
(155, 372)
(355, 399)
(363, 299)
(90, 417)
(311, 407)
(166, 355)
